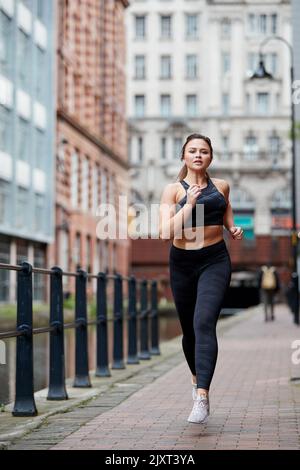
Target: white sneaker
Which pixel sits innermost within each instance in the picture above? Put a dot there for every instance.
(200, 411)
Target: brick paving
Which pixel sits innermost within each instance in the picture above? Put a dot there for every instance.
(254, 405)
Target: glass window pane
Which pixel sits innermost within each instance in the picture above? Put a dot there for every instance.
(6, 44)
(23, 60)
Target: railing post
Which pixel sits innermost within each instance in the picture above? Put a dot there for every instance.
(118, 362)
(24, 401)
(154, 320)
(144, 350)
(57, 388)
(81, 355)
(102, 369)
(132, 334)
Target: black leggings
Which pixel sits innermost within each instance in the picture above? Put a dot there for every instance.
(199, 281)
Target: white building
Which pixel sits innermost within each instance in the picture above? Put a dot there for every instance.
(27, 130)
(189, 64)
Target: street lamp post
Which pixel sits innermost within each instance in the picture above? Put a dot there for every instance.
(261, 73)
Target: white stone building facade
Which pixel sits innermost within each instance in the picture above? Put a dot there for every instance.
(189, 64)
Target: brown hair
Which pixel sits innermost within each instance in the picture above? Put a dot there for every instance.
(183, 172)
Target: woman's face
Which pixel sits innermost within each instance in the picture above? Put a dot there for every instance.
(197, 154)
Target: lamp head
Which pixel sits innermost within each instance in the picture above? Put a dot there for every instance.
(261, 72)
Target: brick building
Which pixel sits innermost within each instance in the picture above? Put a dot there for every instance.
(91, 160)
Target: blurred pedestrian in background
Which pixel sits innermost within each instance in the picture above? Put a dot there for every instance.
(269, 285)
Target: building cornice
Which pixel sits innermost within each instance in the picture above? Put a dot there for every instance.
(91, 137)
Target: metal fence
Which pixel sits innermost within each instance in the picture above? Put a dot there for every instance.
(24, 395)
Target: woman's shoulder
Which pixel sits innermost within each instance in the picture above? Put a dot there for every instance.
(221, 183)
(171, 190)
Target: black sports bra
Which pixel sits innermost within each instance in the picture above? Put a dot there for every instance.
(214, 206)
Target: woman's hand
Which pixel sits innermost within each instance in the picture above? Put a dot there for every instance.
(192, 194)
(236, 232)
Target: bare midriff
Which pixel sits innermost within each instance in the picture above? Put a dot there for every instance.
(198, 237)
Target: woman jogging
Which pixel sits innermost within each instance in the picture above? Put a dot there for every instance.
(193, 211)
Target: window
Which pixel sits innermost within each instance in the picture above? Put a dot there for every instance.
(40, 149)
(105, 256)
(274, 145)
(277, 101)
(225, 62)
(165, 66)
(22, 251)
(112, 190)
(22, 208)
(64, 250)
(165, 105)
(274, 23)
(262, 24)
(5, 118)
(177, 146)
(139, 105)
(4, 202)
(95, 187)
(74, 180)
(23, 140)
(5, 44)
(140, 27)
(88, 257)
(41, 75)
(281, 213)
(163, 147)
(191, 25)
(225, 104)
(250, 148)
(41, 10)
(140, 149)
(251, 23)
(39, 280)
(139, 66)
(104, 187)
(4, 273)
(248, 103)
(225, 148)
(262, 100)
(98, 257)
(23, 59)
(85, 185)
(77, 251)
(191, 105)
(114, 257)
(225, 28)
(39, 202)
(165, 26)
(273, 63)
(191, 66)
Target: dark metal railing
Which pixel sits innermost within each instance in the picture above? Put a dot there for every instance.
(24, 394)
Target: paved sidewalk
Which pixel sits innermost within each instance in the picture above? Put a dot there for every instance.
(253, 403)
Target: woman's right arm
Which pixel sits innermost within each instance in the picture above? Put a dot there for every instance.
(170, 222)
